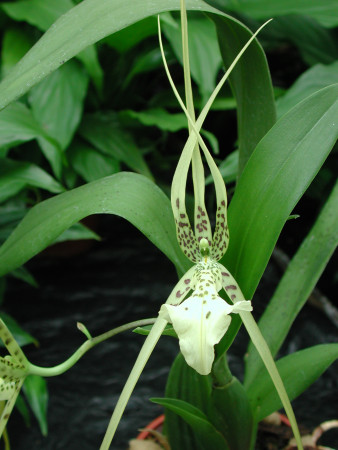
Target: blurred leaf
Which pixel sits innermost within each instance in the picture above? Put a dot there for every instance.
(279, 171)
(251, 85)
(15, 175)
(298, 371)
(145, 330)
(105, 133)
(325, 11)
(308, 83)
(40, 13)
(205, 60)
(297, 283)
(57, 102)
(160, 118)
(145, 62)
(17, 125)
(76, 232)
(21, 273)
(128, 195)
(228, 168)
(15, 45)
(35, 389)
(20, 335)
(90, 60)
(127, 38)
(315, 43)
(206, 433)
(74, 31)
(21, 405)
(91, 164)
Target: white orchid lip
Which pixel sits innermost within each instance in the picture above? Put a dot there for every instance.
(202, 319)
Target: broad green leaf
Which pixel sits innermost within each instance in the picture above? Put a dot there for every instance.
(251, 85)
(297, 284)
(105, 133)
(17, 125)
(186, 384)
(15, 45)
(281, 168)
(40, 13)
(83, 25)
(206, 433)
(128, 195)
(35, 389)
(325, 11)
(10, 215)
(89, 163)
(205, 60)
(21, 336)
(298, 371)
(57, 102)
(15, 175)
(308, 83)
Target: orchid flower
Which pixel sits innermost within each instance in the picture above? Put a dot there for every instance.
(13, 371)
(202, 319)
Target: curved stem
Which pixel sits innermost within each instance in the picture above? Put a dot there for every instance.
(87, 345)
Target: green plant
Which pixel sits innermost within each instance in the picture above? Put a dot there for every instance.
(277, 161)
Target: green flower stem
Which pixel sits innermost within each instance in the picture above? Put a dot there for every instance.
(87, 345)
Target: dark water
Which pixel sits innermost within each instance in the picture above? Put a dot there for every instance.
(121, 279)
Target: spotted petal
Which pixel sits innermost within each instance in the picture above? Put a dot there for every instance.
(200, 323)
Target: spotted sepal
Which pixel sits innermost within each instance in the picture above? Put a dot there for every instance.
(182, 288)
(230, 285)
(10, 404)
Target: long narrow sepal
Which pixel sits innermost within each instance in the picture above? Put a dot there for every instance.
(201, 219)
(235, 294)
(10, 405)
(177, 295)
(221, 235)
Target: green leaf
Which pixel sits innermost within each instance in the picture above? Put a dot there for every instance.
(57, 102)
(205, 60)
(251, 85)
(228, 169)
(160, 118)
(308, 83)
(281, 168)
(21, 273)
(21, 336)
(105, 133)
(90, 60)
(35, 389)
(129, 37)
(298, 371)
(83, 25)
(297, 283)
(128, 195)
(15, 175)
(76, 232)
(315, 43)
(186, 384)
(40, 13)
(15, 45)
(208, 435)
(89, 163)
(145, 330)
(17, 125)
(325, 11)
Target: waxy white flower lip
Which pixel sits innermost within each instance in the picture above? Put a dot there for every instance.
(202, 319)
